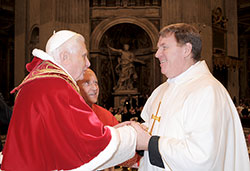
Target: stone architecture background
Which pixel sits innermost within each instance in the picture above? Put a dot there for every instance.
(224, 26)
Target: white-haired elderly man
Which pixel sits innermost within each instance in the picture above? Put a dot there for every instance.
(52, 128)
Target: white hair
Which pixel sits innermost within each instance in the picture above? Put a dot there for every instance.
(58, 39)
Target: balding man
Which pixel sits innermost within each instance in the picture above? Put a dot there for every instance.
(89, 89)
(52, 128)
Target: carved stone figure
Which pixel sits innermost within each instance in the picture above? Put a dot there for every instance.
(126, 69)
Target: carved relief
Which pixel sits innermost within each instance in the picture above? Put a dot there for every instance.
(218, 19)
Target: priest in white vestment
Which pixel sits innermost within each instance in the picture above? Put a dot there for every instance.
(191, 117)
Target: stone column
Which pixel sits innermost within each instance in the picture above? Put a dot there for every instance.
(232, 46)
(20, 41)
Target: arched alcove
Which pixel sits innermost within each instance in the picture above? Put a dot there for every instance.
(33, 42)
(141, 36)
(126, 33)
(102, 27)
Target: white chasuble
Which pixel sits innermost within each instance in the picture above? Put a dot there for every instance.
(199, 127)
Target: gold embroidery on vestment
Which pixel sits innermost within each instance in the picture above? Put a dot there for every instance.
(50, 70)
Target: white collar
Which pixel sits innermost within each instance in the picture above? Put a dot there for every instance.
(46, 57)
(183, 76)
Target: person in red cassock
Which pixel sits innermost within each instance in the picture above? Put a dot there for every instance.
(89, 89)
(52, 127)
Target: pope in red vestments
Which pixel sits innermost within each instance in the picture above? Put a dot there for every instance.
(52, 128)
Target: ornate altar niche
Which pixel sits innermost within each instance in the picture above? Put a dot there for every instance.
(123, 78)
(119, 22)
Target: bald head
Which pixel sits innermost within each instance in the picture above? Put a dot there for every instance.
(89, 87)
(89, 73)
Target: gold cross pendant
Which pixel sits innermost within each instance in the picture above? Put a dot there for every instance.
(155, 117)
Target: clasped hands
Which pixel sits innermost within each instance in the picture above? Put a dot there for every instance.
(142, 135)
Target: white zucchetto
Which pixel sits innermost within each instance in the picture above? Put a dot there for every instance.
(58, 38)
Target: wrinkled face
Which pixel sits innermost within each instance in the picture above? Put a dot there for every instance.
(89, 87)
(171, 56)
(79, 60)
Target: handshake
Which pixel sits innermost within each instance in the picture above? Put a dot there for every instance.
(143, 136)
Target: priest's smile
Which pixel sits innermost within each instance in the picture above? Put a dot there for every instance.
(163, 61)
